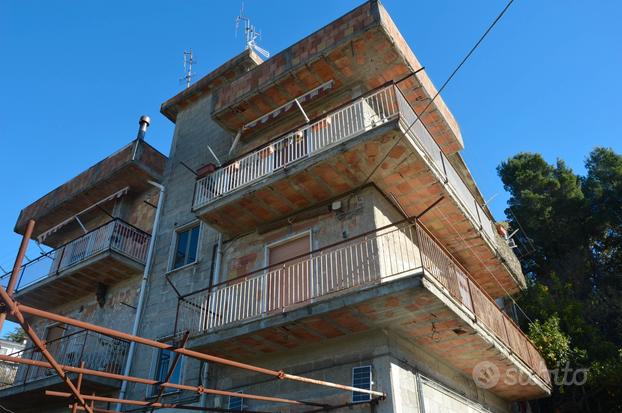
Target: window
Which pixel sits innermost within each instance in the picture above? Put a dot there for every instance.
(236, 404)
(164, 362)
(361, 378)
(186, 246)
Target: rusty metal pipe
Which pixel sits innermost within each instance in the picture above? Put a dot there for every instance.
(189, 353)
(140, 380)
(19, 259)
(74, 408)
(139, 402)
(171, 369)
(15, 311)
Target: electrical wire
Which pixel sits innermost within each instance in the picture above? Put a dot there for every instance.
(445, 83)
(466, 244)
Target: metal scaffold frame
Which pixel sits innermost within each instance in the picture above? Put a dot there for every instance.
(83, 402)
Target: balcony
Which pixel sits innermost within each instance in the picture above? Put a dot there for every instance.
(125, 172)
(105, 255)
(98, 352)
(397, 277)
(368, 140)
(362, 49)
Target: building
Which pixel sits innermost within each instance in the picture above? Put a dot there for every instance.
(309, 224)
(7, 370)
(96, 228)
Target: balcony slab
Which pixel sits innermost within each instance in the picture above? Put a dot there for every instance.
(413, 306)
(132, 166)
(107, 267)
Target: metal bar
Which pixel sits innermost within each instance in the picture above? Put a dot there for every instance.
(171, 369)
(17, 266)
(95, 398)
(152, 382)
(74, 408)
(281, 263)
(181, 407)
(16, 312)
(18, 308)
(302, 110)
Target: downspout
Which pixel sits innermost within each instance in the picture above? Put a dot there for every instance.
(214, 280)
(141, 294)
(217, 265)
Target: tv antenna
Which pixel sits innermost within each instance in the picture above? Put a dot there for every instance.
(250, 33)
(188, 73)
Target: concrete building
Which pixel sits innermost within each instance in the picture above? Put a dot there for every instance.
(96, 231)
(309, 224)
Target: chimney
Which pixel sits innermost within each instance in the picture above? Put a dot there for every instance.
(144, 122)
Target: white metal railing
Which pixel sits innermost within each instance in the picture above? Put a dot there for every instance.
(362, 115)
(384, 255)
(442, 167)
(115, 235)
(356, 263)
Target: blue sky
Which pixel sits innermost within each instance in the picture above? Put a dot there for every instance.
(75, 76)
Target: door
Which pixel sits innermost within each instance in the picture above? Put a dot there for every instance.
(290, 282)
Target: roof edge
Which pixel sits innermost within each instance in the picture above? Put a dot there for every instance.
(170, 108)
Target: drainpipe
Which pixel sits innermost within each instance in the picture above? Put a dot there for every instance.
(204, 379)
(218, 263)
(141, 294)
(215, 279)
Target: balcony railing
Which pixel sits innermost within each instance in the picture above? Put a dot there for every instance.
(98, 352)
(360, 116)
(371, 259)
(116, 235)
(363, 114)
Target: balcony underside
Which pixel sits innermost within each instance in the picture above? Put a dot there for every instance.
(405, 174)
(412, 307)
(362, 49)
(83, 278)
(132, 166)
(31, 396)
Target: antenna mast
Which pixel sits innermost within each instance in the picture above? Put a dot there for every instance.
(188, 73)
(250, 33)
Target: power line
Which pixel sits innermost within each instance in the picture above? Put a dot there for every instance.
(466, 244)
(445, 83)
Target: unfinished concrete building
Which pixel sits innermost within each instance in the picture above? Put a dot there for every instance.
(94, 232)
(310, 222)
(291, 246)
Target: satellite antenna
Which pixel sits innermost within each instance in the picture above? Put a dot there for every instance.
(188, 74)
(250, 33)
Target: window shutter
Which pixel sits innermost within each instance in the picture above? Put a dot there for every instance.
(361, 378)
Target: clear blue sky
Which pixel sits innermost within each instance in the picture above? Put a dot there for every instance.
(76, 75)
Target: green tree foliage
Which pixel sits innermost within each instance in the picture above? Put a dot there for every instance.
(570, 233)
(18, 335)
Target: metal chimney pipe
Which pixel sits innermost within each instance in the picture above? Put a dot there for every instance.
(144, 122)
